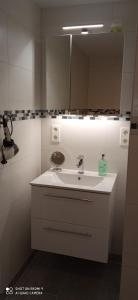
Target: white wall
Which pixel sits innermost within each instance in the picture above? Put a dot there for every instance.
(19, 89)
(135, 92)
(129, 283)
(25, 12)
(15, 199)
(129, 286)
(19, 62)
(92, 138)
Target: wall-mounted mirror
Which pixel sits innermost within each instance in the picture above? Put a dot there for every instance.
(57, 87)
(84, 72)
(96, 71)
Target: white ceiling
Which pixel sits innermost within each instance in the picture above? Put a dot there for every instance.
(56, 3)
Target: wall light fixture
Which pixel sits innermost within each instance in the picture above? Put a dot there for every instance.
(83, 26)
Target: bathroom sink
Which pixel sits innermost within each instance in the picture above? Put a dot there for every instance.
(79, 179)
(71, 179)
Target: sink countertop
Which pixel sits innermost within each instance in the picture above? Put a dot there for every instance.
(71, 179)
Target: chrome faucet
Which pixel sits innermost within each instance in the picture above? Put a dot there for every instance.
(80, 164)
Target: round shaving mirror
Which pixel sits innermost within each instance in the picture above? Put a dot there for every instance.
(57, 158)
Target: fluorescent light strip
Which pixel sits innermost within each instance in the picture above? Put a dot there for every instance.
(82, 26)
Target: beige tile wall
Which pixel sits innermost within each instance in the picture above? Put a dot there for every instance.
(129, 280)
(19, 71)
(130, 40)
(19, 62)
(24, 12)
(129, 283)
(135, 98)
(15, 199)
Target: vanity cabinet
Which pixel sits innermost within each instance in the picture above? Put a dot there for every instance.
(71, 222)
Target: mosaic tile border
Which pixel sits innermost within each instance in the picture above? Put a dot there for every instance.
(134, 126)
(20, 115)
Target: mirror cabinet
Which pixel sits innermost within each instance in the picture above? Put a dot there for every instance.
(84, 72)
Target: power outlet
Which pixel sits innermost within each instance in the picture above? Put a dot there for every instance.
(124, 136)
(55, 134)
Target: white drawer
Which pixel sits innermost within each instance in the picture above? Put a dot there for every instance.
(75, 207)
(67, 239)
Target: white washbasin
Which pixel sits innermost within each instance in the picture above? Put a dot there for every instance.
(70, 179)
(79, 179)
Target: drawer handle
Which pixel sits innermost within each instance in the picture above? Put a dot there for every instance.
(67, 231)
(69, 198)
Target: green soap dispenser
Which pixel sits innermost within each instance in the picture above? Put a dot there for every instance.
(102, 167)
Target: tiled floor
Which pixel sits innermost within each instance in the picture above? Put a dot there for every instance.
(67, 278)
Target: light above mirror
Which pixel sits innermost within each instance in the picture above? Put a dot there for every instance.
(83, 26)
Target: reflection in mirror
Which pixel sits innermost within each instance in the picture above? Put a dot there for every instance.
(96, 71)
(57, 91)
